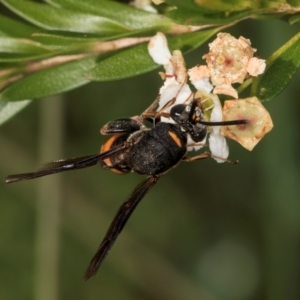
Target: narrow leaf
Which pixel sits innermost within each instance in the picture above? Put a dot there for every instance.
(19, 58)
(125, 14)
(62, 40)
(225, 5)
(59, 40)
(294, 19)
(51, 81)
(281, 67)
(190, 5)
(136, 60)
(20, 46)
(9, 109)
(13, 28)
(60, 19)
(192, 17)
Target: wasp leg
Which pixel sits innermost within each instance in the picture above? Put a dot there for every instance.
(196, 145)
(156, 115)
(124, 125)
(207, 155)
(153, 105)
(118, 223)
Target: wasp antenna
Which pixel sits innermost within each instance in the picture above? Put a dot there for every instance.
(225, 123)
(193, 108)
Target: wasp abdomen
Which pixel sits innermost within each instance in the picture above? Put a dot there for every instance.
(116, 163)
(158, 149)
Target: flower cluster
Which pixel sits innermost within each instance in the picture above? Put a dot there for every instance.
(229, 61)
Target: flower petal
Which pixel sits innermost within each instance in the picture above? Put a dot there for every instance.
(158, 49)
(179, 92)
(216, 114)
(218, 146)
(251, 109)
(256, 66)
(203, 85)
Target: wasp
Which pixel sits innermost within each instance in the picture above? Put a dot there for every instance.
(133, 147)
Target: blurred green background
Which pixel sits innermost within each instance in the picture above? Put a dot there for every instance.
(206, 231)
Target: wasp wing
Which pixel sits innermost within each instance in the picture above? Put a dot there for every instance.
(117, 225)
(67, 164)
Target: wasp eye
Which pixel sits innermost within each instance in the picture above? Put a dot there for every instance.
(177, 110)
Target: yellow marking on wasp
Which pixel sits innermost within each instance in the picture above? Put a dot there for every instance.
(175, 138)
(107, 146)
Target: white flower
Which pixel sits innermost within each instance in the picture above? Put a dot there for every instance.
(203, 85)
(218, 147)
(229, 61)
(175, 86)
(178, 92)
(260, 122)
(144, 5)
(217, 143)
(199, 77)
(158, 49)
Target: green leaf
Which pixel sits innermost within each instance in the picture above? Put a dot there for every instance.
(69, 41)
(20, 58)
(112, 66)
(209, 7)
(13, 28)
(129, 16)
(51, 81)
(228, 5)
(294, 19)
(136, 60)
(281, 67)
(21, 46)
(192, 17)
(9, 109)
(60, 19)
(189, 5)
(63, 40)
